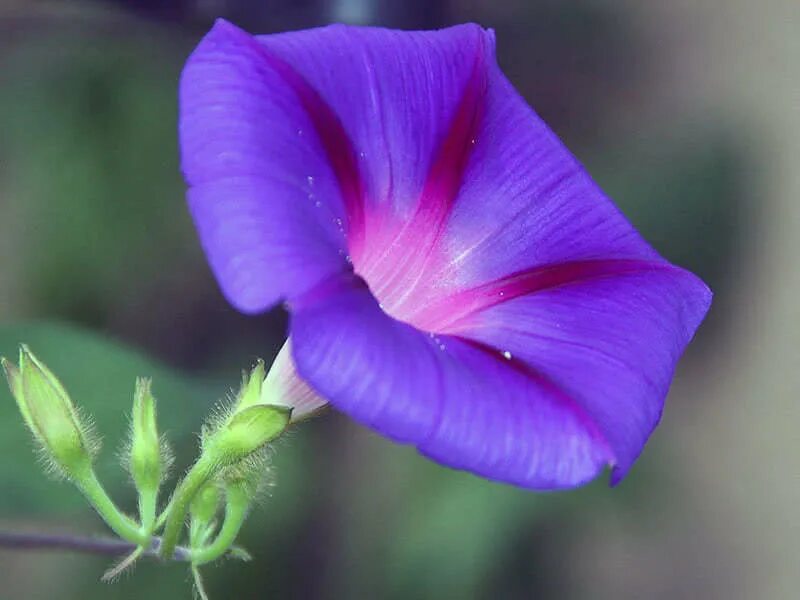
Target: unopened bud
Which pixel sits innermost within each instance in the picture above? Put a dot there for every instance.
(247, 425)
(49, 414)
(147, 455)
(246, 432)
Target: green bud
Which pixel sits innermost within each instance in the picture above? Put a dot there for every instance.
(247, 425)
(236, 433)
(50, 415)
(246, 432)
(147, 455)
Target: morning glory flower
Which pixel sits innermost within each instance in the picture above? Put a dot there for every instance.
(455, 279)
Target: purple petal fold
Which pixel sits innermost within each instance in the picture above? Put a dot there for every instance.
(266, 199)
(462, 404)
(609, 340)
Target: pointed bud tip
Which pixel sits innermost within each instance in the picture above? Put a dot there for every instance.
(7, 365)
(250, 392)
(144, 384)
(12, 374)
(26, 354)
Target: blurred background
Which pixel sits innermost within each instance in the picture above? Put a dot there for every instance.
(687, 112)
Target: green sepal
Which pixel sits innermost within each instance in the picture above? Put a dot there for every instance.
(246, 425)
(250, 392)
(246, 432)
(66, 439)
(236, 433)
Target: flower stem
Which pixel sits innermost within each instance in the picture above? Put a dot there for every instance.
(85, 545)
(147, 510)
(198, 583)
(121, 524)
(38, 541)
(179, 505)
(237, 501)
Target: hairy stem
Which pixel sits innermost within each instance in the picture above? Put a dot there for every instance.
(179, 505)
(147, 510)
(121, 524)
(237, 502)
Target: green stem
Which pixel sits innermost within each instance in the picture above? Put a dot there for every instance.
(198, 583)
(162, 518)
(236, 503)
(121, 524)
(147, 510)
(175, 518)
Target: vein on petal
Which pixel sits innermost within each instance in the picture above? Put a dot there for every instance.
(451, 314)
(531, 372)
(417, 239)
(334, 139)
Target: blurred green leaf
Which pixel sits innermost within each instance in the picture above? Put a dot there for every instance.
(449, 531)
(92, 148)
(99, 375)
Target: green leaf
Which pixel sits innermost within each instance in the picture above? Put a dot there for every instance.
(100, 376)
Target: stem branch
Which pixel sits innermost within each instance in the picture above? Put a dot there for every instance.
(85, 545)
(121, 524)
(237, 502)
(179, 505)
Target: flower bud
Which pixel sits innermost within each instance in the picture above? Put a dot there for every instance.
(247, 425)
(50, 415)
(246, 432)
(147, 457)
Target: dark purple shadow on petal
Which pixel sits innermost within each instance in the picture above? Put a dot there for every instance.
(451, 398)
(447, 170)
(612, 347)
(451, 314)
(335, 142)
(550, 386)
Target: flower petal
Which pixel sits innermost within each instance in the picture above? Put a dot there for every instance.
(284, 386)
(611, 342)
(397, 94)
(459, 403)
(525, 201)
(266, 197)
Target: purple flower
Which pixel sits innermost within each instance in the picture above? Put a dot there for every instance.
(455, 279)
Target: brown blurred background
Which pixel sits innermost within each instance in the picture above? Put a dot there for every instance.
(686, 112)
